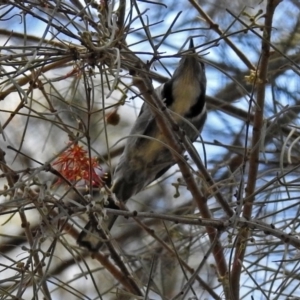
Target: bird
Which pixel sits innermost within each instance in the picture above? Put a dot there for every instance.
(145, 160)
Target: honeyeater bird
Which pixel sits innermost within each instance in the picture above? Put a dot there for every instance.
(145, 160)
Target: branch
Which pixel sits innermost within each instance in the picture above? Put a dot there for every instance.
(254, 155)
(163, 119)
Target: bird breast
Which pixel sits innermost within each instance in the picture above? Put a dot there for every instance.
(185, 95)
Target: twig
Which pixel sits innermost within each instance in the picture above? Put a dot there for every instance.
(216, 28)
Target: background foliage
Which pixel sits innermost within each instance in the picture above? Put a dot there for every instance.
(226, 228)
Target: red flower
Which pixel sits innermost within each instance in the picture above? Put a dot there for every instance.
(74, 165)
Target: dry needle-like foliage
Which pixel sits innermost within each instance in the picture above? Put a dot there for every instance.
(73, 77)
